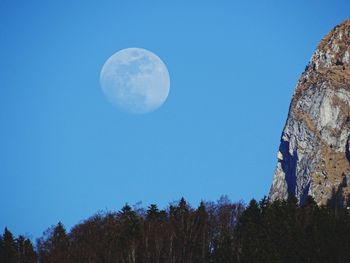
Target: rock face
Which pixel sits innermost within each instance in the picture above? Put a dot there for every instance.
(314, 154)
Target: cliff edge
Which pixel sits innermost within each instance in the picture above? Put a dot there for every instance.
(314, 152)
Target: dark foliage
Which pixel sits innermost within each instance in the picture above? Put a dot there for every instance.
(220, 232)
(284, 231)
(18, 250)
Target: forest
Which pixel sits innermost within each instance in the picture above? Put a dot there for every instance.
(222, 232)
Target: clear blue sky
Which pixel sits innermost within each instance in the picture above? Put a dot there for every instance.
(65, 152)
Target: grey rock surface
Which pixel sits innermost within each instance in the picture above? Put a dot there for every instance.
(314, 153)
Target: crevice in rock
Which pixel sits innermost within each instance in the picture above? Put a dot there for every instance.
(347, 150)
(289, 164)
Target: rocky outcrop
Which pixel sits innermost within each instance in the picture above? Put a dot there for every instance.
(314, 153)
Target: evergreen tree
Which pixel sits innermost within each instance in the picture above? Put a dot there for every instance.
(201, 251)
(248, 243)
(9, 252)
(130, 233)
(179, 237)
(155, 235)
(25, 250)
(54, 246)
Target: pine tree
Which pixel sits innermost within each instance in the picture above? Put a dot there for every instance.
(201, 235)
(54, 246)
(180, 221)
(247, 233)
(155, 235)
(130, 233)
(9, 252)
(25, 250)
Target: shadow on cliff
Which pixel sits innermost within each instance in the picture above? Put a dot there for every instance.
(347, 150)
(337, 201)
(288, 165)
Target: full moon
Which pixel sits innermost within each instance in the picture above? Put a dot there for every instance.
(135, 80)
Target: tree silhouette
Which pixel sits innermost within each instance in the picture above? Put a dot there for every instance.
(25, 250)
(214, 232)
(54, 246)
(8, 247)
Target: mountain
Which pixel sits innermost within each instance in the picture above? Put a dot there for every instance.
(314, 152)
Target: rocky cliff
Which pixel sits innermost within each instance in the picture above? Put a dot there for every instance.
(314, 153)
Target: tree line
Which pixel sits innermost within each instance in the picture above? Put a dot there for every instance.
(214, 232)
